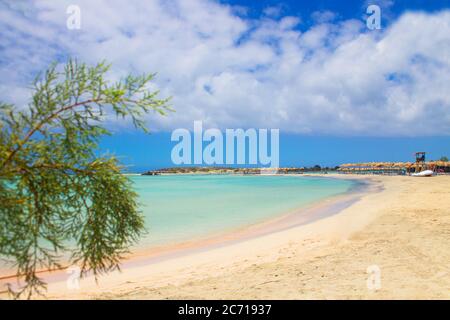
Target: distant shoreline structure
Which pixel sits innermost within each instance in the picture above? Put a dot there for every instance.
(400, 168)
(388, 168)
(233, 170)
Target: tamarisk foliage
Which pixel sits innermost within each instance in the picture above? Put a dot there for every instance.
(59, 200)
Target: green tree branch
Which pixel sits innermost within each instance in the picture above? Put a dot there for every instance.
(58, 200)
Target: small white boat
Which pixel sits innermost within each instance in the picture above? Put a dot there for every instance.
(425, 173)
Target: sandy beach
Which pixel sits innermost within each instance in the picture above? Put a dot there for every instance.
(402, 230)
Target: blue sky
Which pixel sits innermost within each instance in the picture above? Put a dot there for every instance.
(337, 91)
(145, 152)
(347, 9)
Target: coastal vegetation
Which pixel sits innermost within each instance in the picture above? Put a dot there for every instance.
(58, 197)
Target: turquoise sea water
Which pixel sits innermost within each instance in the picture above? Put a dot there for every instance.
(184, 207)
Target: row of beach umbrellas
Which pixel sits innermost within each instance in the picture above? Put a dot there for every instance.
(391, 165)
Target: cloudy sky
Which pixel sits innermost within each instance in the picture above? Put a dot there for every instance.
(307, 69)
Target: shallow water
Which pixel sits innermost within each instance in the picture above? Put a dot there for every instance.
(185, 207)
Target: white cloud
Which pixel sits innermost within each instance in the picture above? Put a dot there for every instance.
(323, 16)
(273, 11)
(232, 71)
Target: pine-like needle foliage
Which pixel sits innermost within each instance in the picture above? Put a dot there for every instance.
(57, 197)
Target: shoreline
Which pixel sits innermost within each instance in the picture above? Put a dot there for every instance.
(294, 218)
(141, 256)
(139, 262)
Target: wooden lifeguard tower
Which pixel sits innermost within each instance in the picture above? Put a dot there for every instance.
(420, 157)
(420, 161)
